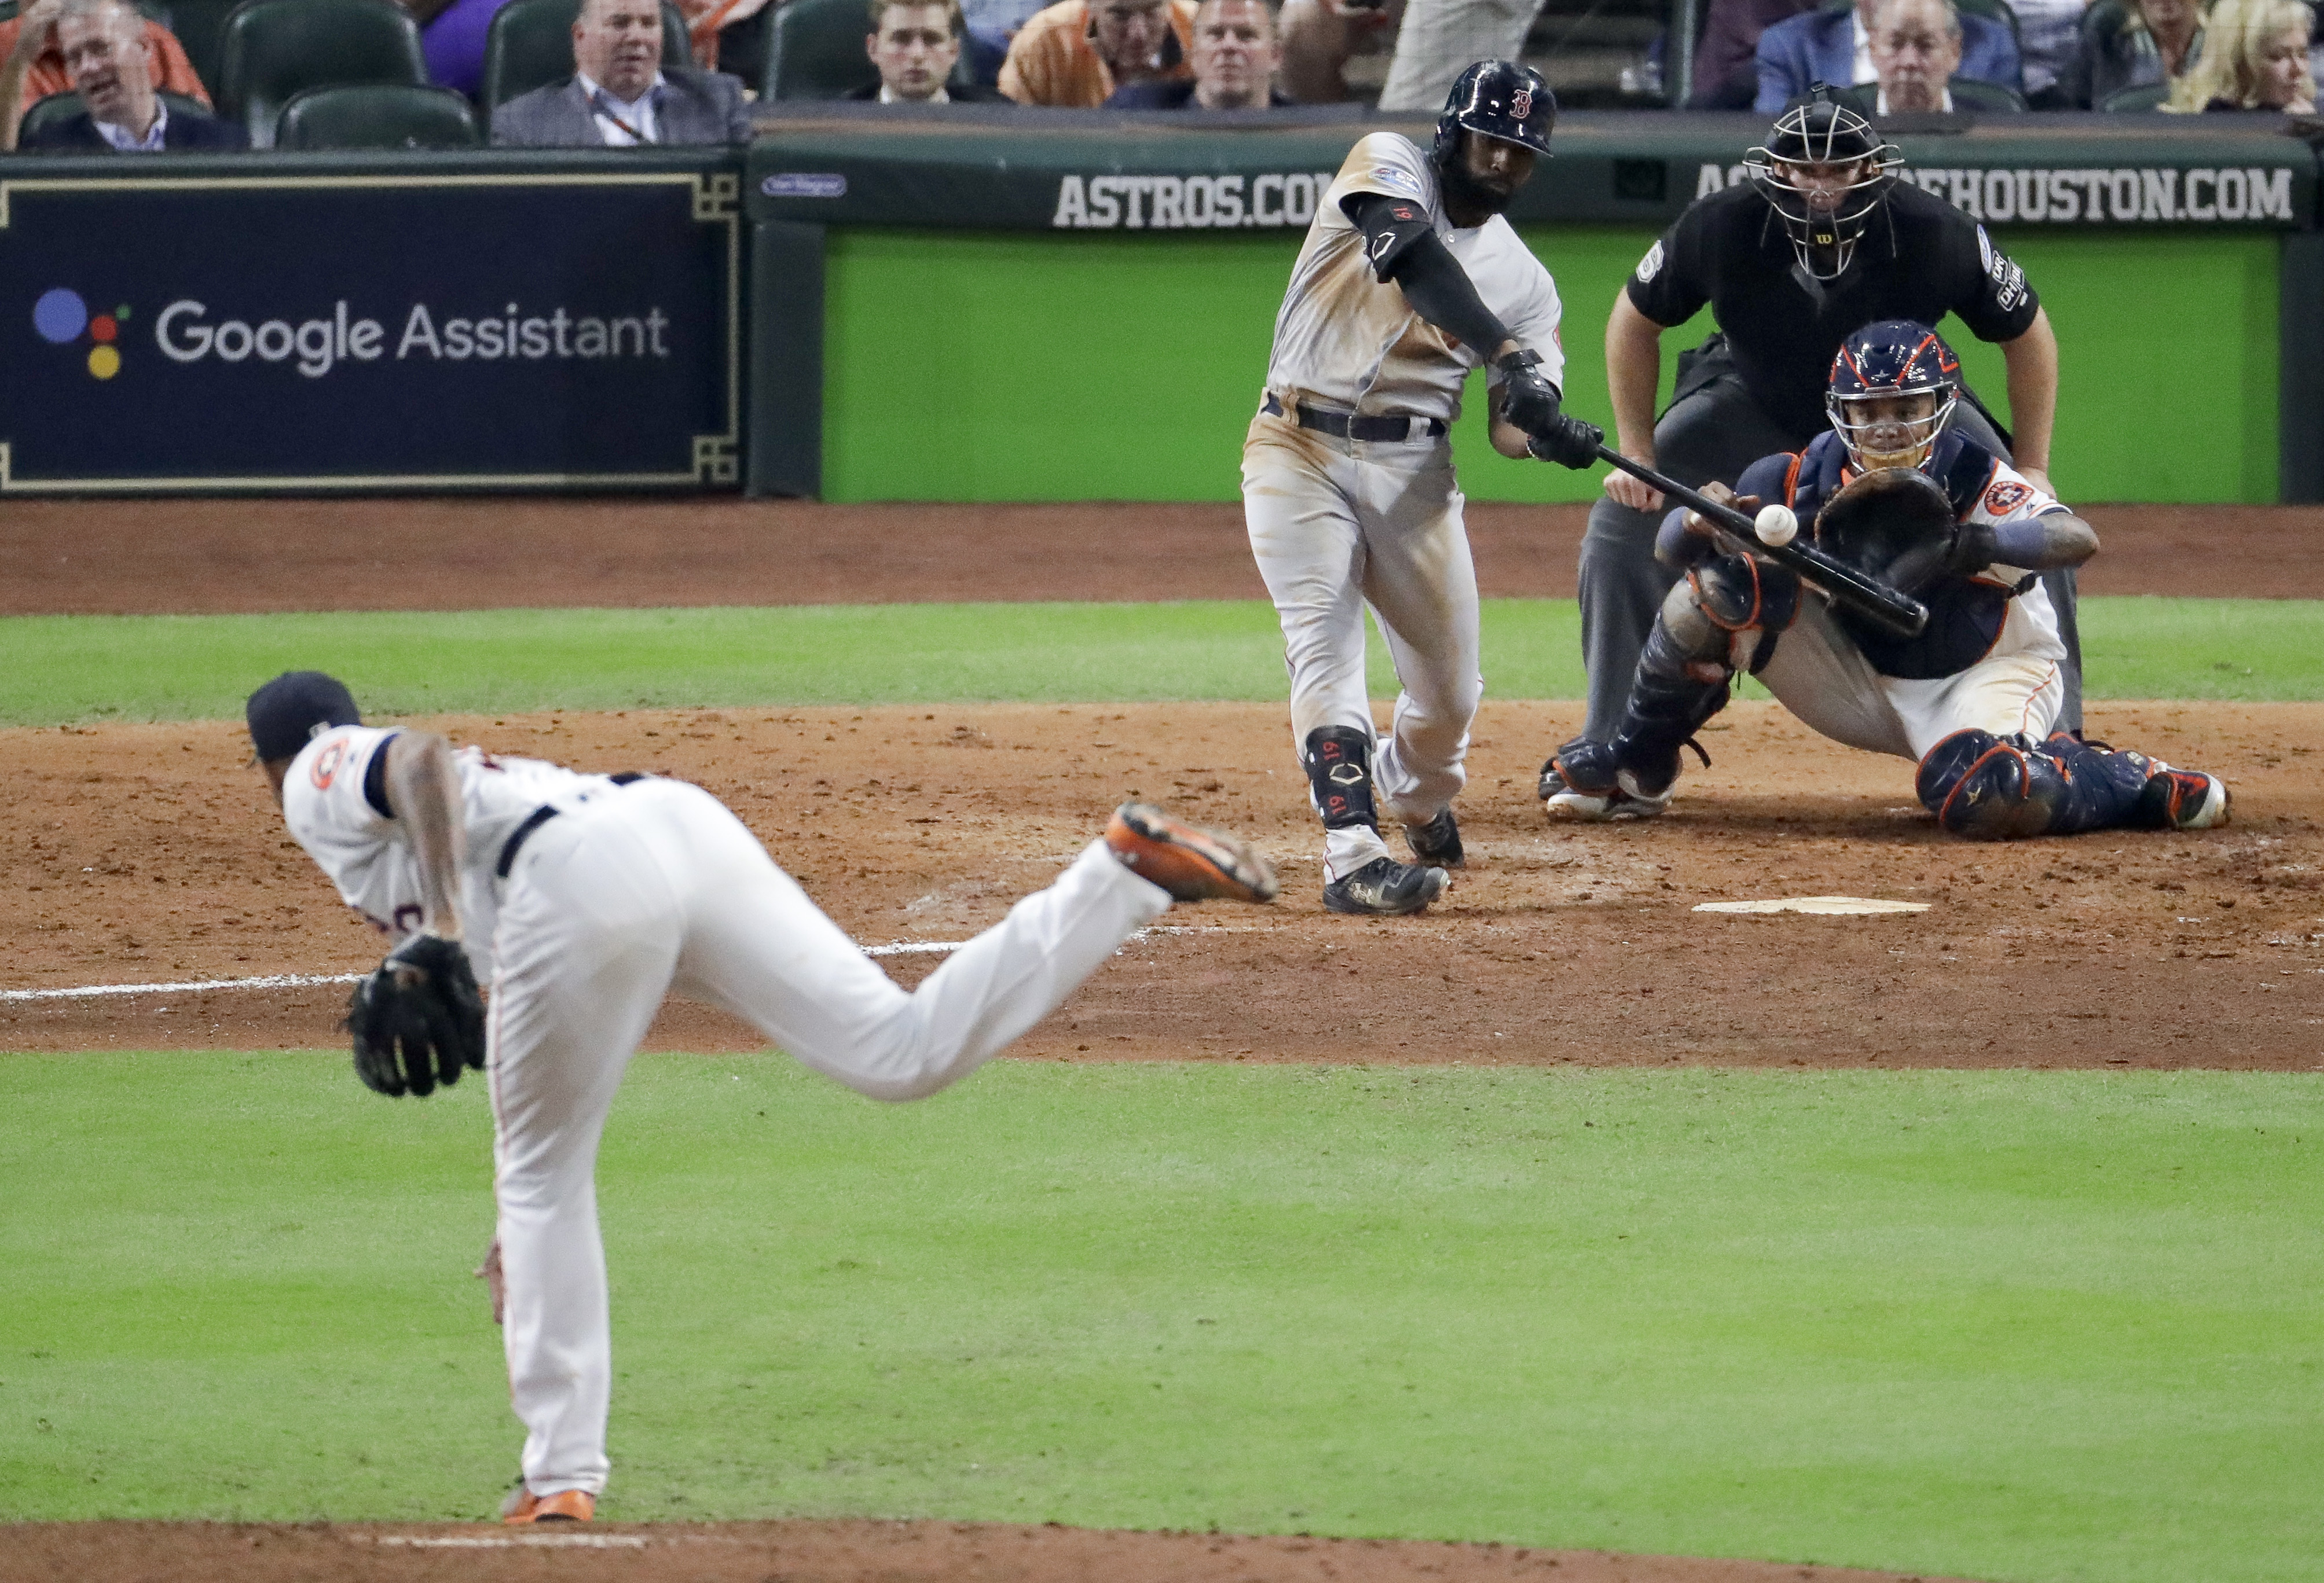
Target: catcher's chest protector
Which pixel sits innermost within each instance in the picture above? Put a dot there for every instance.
(1965, 615)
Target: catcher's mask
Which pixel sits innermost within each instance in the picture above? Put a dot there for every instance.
(1893, 358)
(1496, 98)
(1825, 171)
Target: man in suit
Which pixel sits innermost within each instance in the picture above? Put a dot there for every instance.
(620, 95)
(915, 44)
(1835, 46)
(1916, 48)
(103, 43)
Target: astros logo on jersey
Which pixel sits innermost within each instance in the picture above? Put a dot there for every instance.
(327, 764)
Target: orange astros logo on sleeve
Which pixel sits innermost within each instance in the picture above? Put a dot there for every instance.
(327, 764)
(2007, 495)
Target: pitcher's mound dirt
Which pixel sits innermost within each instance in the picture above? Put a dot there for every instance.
(848, 1551)
(148, 854)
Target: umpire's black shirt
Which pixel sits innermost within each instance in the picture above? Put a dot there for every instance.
(1919, 258)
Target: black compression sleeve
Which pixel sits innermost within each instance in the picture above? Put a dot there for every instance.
(1431, 280)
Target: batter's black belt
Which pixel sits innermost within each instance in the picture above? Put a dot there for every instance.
(535, 820)
(1349, 425)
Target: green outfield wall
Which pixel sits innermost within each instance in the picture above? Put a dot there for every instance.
(1125, 367)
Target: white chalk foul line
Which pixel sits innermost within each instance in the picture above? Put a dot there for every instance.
(514, 1541)
(308, 980)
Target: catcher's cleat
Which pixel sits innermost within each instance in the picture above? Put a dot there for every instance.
(1437, 843)
(2181, 799)
(1386, 888)
(1582, 783)
(1192, 864)
(567, 1505)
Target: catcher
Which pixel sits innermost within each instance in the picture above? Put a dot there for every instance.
(1892, 490)
(588, 898)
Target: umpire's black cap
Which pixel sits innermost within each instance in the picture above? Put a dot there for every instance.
(1498, 98)
(286, 712)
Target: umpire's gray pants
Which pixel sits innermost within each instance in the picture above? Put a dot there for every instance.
(1714, 434)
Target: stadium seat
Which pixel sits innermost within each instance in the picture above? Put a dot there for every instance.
(271, 49)
(815, 49)
(2146, 95)
(377, 116)
(60, 108)
(200, 25)
(530, 45)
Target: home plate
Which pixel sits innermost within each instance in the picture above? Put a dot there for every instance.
(1843, 905)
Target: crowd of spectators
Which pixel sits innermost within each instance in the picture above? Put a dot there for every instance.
(138, 89)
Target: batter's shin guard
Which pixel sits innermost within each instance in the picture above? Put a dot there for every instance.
(1675, 692)
(1339, 774)
(1999, 788)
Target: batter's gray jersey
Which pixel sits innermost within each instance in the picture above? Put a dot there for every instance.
(1345, 340)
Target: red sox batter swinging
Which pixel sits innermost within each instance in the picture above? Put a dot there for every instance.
(1408, 278)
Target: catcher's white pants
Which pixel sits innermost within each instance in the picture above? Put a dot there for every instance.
(1337, 525)
(1819, 674)
(612, 905)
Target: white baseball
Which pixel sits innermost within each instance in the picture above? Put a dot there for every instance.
(1775, 524)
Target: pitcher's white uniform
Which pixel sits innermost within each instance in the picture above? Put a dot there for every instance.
(626, 892)
(1340, 524)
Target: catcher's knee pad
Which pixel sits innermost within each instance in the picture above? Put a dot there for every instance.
(1340, 775)
(1730, 609)
(1990, 787)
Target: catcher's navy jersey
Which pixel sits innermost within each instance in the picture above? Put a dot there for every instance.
(1965, 612)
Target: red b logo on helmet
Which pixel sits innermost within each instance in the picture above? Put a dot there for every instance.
(1521, 105)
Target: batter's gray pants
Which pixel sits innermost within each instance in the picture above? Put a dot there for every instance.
(1713, 434)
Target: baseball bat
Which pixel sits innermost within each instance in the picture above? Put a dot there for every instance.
(1860, 591)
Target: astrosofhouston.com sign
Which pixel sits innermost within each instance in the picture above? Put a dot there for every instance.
(303, 334)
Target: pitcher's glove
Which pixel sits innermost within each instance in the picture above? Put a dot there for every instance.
(419, 1020)
(1898, 524)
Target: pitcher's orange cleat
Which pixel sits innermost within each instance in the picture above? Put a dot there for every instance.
(1192, 864)
(567, 1505)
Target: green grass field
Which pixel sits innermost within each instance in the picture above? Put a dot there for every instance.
(2023, 1326)
(70, 668)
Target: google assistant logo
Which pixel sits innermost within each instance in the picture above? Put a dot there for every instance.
(61, 317)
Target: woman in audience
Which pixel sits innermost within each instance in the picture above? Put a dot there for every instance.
(2133, 43)
(2257, 59)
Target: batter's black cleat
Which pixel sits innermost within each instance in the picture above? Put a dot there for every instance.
(1385, 887)
(1437, 843)
(2181, 799)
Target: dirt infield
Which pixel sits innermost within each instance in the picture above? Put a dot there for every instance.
(819, 1552)
(148, 854)
(194, 556)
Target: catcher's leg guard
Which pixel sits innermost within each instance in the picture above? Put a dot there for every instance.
(1998, 788)
(1724, 618)
(1339, 774)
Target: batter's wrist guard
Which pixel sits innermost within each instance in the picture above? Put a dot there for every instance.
(1340, 775)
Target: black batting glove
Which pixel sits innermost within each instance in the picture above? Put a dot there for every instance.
(1528, 400)
(1569, 443)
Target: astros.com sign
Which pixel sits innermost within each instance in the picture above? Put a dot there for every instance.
(186, 332)
(1180, 203)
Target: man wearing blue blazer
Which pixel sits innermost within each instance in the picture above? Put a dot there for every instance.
(1833, 44)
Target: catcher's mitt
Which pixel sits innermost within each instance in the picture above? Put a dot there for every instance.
(419, 1020)
(1898, 524)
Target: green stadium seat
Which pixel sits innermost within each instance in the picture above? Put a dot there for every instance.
(61, 107)
(200, 27)
(272, 49)
(377, 116)
(2146, 95)
(530, 45)
(815, 49)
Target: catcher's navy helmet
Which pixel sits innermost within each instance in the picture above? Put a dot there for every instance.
(1892, 358)
(1825, 220)
(1498, 98)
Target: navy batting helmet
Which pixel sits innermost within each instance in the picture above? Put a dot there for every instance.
(1498, 98)
(1824, 170)
(1892, 358)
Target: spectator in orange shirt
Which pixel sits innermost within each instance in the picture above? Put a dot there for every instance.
(1075, 54)
(34, 68)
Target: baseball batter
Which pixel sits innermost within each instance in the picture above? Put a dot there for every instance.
(1891, 488)
(1410, 278)
(585, 899)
